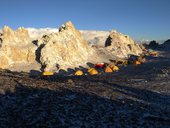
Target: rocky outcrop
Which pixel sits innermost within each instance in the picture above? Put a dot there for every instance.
(18, 37)
(67, 48)
(152, 45)
(122, 45)
(61, 49)
(166, 45)
(16, 48)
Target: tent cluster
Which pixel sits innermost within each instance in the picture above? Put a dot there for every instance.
(97, 69)
(111, 67)
(114, 66)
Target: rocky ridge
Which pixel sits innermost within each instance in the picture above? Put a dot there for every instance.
(67, 48)
(16, 48)
(122, 45)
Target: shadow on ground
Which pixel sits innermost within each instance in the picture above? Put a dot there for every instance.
(95, 105)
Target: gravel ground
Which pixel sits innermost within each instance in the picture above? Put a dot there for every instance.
(136, 96)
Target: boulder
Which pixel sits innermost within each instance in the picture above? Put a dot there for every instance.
(18, 37)
(67, 48)
(122, 45)
(167, 42)
(153, 45)
(166, 45)
(16, 49)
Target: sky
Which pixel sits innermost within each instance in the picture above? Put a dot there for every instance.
(141, 19)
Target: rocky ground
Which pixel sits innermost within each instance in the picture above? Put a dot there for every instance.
(136, 96)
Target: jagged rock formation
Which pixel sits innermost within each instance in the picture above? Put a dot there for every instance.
(19, 37)
(153, 44)
(63, 49)
(16, 48)
(122, 45)
(66, 48)
(166, 45)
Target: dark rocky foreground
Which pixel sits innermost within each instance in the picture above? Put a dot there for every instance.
(136, 96)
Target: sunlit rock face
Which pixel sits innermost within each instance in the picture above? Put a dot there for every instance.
(66, 48)
(18, 37)
(16, 48)
(122, 45)
(63, 48)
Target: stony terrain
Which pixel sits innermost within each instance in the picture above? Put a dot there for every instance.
(136, 96)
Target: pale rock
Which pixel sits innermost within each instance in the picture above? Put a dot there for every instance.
(19, 37)
(122, 45)
(4, 62)
(67, 48)
(63, 49)
(16, 48)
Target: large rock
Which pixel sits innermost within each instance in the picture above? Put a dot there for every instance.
(152, 45)
(16, 49)
(61, 49)
(166, 45)
(122, 45)
(67, 48)
(18, 37)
